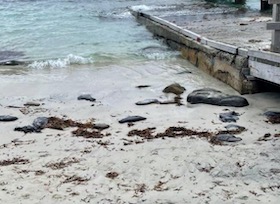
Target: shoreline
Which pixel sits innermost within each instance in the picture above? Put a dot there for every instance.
(169, 157)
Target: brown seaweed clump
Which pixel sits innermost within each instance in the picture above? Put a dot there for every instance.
(182, 132)
(77, 180)
(63, 163)
(85, 130)
(82, 132)
(274, 119)
(60, 124)
(146, 133)
(112, 175)
(173, 132)
(13, 161)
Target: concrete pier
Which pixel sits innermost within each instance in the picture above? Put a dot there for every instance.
(240, 65)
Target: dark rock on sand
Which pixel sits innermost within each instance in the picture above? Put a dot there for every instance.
(132, 119)
(266, 137)
(271, 113)
(32, 104)
(27, 129)
(100, 126)
(142, 86)
(273, 117)
(37, 125)
(215, 97)
(147, 102)
(7, 118)
(86, 97)
(227, 138)
(40, 123)
(185, 72)
(174, 88)
(228, 117)
(9, 57)
(236, 128)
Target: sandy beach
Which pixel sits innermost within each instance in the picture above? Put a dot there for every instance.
(55, 166)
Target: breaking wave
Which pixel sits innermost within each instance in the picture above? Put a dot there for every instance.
(149, 8)
(158, 53)
(60, 63)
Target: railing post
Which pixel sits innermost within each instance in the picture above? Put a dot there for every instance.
(239, 1)
(275, 26)
(265, 5)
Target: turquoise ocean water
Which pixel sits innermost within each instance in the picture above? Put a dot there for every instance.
(79, 31)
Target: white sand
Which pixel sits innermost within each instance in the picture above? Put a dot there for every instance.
(181, 170)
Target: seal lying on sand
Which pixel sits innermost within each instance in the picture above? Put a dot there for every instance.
(215, 97)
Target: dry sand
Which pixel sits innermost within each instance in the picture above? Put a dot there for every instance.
(56, 167)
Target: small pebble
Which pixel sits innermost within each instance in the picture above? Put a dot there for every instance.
(101, 126)
(227, 138)
(132, 119)
(86, 97)
(32, 104)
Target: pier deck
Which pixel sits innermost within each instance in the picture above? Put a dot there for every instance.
(232, 45)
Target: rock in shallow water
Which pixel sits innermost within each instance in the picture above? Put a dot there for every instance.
(12, 63)
(86, 97)
(7, 118)
(132, 119)
(215, 97)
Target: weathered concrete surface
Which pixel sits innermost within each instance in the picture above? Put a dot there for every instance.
(241, 29)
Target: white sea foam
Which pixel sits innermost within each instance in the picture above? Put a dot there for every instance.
(160, 56)
(149, 8)
(142, 8)
(158, 53)
(60, 63)
(125, 14)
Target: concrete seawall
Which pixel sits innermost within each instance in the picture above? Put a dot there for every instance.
(228, 63)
